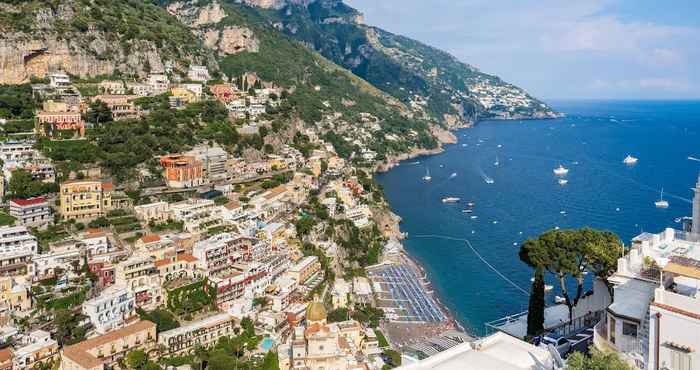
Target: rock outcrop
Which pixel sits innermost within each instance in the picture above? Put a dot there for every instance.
(231, 40)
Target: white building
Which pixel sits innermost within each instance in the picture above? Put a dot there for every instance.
(359, 215)
(35, 348)
(198, 73)
(205, 332)
(213, 161)
(157, 212)
(17, 239)
(59, 80)
(60, 256)
(197, 215)
(31, 212)
(498, 351)
(159, 83)
(111, 309)
(13, 150)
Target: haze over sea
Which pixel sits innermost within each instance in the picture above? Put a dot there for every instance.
(526, 199)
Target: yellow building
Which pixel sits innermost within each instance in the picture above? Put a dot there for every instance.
(185, 95)
(14, 294)
(85, 199)
(107, 349)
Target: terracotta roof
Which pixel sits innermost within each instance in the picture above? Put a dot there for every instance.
(30, 201)
(187, 258)
(79, 352)
(277, 190)
(683, 266)
(6, 354)
(107, 185)
(233, 204)
(150, 238)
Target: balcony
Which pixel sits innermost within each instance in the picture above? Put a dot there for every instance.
(682, 299)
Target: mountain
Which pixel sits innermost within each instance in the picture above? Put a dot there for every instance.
(372, 94)
(90, 38)
(433, 82)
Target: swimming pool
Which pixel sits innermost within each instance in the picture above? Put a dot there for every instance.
(267, 344)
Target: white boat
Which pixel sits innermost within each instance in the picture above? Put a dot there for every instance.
(563, 181)
(471, 204)
(561, 170)
(661, 203)
(474, 217)
(559, 300)
(467, 211)
(497, 163)
(427, 176)
(450, 200)
(630, 160)
(453, 175)
(488, 180)
(548, 287)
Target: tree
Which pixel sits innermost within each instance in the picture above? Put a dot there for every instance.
(136, 359)
(535, 309)
(99, 112)
(22, 185)
(219, 360)
(596, 360)
(604, 248)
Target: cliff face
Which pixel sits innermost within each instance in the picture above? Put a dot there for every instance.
(130, 38)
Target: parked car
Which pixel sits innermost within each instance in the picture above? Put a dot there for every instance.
(562, 344)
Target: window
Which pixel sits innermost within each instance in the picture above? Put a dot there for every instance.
(680, 360)
(629, 329)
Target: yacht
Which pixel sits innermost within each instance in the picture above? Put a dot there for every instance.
(450, 200)
(427, 176)
(563, 181)
(661, 203)
(548, 288)
(497, 163)
(471, 204)
(453, 175)
(489, 180)
(467, 210)
(629, 160)
(561, 170)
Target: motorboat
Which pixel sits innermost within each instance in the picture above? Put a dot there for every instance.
(453, 175)
(548, 288)
(450, 200)
(497, 162)
(561, 170)
(559, 300)
(427, 176)
(489, 180)
(467, 211)
(563, 181)
(661, 203)
(471, 204)
(630, 160)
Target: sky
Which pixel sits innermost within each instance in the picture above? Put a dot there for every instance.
(561, 49)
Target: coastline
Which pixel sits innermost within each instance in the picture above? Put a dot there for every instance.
(394, 228)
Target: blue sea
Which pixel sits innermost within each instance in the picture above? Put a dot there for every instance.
(526, 199)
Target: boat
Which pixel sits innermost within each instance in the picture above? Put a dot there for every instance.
(548, 287)
(497, 163)
(677, 220)
(488, 180)
(500, 146)
(453, 175)
(450, 200)
(661, 203)
(471, 204)
(474, 217)
(427, 176)
(630, 160)
(467, 211)
(559, 300)
(561, 170)
(563, 181)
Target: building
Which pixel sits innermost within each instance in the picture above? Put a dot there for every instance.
(114, 306)
(183, 266)
(61, 256)
(17, 246)
(223, 92)
(37, 348)
(158, 83)
(205, 332)
(17, 150)
(213, 160)
(6, 356)
(107, 349)
(497, 351)
(122, 106)
(112, 87)
(31, 212)
(85, 199)
(319, 345)
(139, 89)
(197, 215)
(182, 171)
(303, 270)
(59, 80)
(140, 275)
(198, 73)
(674, 316)
(340, 293)
(60, 124)
(14, 295)
(156, 212)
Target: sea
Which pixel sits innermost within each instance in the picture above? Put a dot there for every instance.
(472, 262)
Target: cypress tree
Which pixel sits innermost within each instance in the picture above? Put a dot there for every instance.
(535, 311)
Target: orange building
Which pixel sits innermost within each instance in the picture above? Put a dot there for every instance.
(182, 171)
(49, 123)
(223, 92)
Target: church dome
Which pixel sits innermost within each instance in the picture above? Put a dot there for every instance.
(316, 312)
